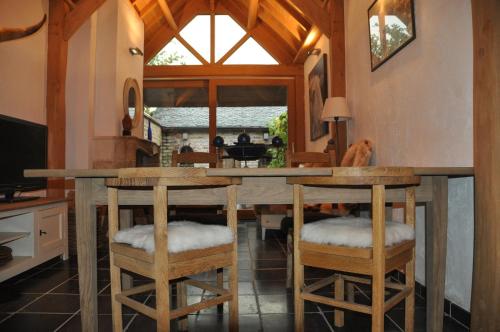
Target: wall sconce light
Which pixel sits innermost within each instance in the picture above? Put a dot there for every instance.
(185, 136)
(135, 51)
(314, 51)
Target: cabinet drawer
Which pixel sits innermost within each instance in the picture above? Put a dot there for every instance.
(51, 228)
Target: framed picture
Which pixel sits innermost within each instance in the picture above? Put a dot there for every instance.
(318, 92)
(391, 26)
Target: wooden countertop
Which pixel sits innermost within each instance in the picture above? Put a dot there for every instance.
(249, 172)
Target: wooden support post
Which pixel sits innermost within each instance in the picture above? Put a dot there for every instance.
(485, 302)
(337, 69)
(435, 252)
(378, 281)
(410, 266)
(57, 51)
(161, 259)
(116, 286)
(87, 255)
(298, 268)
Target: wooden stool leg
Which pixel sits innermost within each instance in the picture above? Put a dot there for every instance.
(182, 302)
(220, 284)
(378, 282)
(161, 260)
(232, 221)
(410, 266)
(339, 295)
(298, 275)
(289, 259)
(116, 284)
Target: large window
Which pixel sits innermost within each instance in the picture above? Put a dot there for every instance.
(231, 45)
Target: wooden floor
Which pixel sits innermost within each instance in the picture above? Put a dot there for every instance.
(46, 298)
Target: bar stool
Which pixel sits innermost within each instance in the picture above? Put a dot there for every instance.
(357, 245)
(192, 247)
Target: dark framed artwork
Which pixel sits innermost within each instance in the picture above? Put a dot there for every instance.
(318, 92)
(391, 26)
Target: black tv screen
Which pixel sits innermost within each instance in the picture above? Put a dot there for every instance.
(23, 145)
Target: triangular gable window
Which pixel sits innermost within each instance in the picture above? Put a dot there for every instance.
(227, 34)
(251, 53)
(174, 53)
(195, 36)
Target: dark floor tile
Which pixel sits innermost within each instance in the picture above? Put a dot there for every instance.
(271, 287)
(55, 303)
(45, 281)
(460, 315)
(450, 325)
(23, 322)
(71, 287)
(270, 274)
(358, 322)
(285, 322)
(270, 264)
(268, 254)
(14, 300)
(104, 322)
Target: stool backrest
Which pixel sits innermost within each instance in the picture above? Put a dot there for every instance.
(314, 159)
(194, 158)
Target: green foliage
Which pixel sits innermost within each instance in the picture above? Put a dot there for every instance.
(163, 58)
(279, 127)
(395, 34)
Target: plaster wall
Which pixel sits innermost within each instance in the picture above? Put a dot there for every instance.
(98, 64)
(80, 85)
(417, 109)
(23, 62)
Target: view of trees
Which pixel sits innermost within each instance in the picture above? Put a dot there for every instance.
(395, 36)
(163, 58)
(279, 127)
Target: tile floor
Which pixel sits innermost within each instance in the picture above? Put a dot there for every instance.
(46, 298)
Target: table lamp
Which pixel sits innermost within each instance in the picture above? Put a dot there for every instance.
(335, 108)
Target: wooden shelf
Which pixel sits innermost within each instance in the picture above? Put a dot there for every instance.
(12, 236)
(16, 261)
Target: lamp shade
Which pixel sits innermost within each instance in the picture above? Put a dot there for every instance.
(335, 107)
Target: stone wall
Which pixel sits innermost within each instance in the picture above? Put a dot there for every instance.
(198, 140)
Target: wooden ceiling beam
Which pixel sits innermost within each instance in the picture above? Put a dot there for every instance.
(253, 8)
(309, 42)
(214, 70)
(168, 14)
(75, 18)
(315, 14)
(297, 26)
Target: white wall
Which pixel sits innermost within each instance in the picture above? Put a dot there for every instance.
(417, 109)
(323, 44)
(98, 65)
(23, 62)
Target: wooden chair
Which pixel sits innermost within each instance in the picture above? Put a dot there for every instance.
(332, 252)
(317, 159)
(174, 265)
(194, 158)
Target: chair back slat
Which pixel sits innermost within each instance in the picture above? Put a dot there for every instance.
(316, 158)
(193, 158)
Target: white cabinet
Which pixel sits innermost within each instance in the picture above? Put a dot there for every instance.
(36, 231)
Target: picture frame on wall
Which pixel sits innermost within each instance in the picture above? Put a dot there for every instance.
(391, 26)
(318, 92)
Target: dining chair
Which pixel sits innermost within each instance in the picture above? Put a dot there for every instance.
(314, 159)
(171, 252)
(370, 247)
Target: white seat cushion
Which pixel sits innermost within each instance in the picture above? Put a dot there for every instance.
(182, 236)
(353, 232)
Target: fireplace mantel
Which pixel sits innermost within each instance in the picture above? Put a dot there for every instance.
(124, 151)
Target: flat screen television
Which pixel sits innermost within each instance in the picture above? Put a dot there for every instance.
(23, 145)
